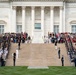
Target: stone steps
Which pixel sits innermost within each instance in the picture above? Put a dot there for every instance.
(38, 55)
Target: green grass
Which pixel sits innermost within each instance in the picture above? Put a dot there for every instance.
(51, 71)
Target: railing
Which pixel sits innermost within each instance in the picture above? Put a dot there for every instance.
(69, 46)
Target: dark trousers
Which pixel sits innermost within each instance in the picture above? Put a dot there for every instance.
(59, 56)
(19, 47)
(2, 63)
(62, 63)
(75, 64)
(14, 62)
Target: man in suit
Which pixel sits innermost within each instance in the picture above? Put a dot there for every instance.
(14, 58)
(19, 43)
(59, 52)
(62, 60)
(56, 44)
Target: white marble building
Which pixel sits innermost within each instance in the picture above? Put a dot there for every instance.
(38, 17)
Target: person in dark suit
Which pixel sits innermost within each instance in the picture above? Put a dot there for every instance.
(2, 60)
(14, 58)
(55, 44)
(74, 60)
(19, 42)
(19, 45)
(3, 45)
(59, 53)
(62, 60)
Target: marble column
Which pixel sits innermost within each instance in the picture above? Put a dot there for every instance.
(61, 18)
(23, 18)
(33, 19)
(42, 21)
(64, 29)
(14, 19)
(51, 19)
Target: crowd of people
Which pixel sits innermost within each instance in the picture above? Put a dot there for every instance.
(53, 36)
(70, 49)
(19, 38)
(73, 37)
(24, 37)
(4, 48)
(5, 42)
(68, 39)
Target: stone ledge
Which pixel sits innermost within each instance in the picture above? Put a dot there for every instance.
(38, 67)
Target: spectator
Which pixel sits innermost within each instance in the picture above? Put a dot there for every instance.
(2, 60)
(23, 40)
(74, 60)
(29, 39)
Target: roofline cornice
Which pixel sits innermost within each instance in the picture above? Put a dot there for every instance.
(37, 0)
(70, 1)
